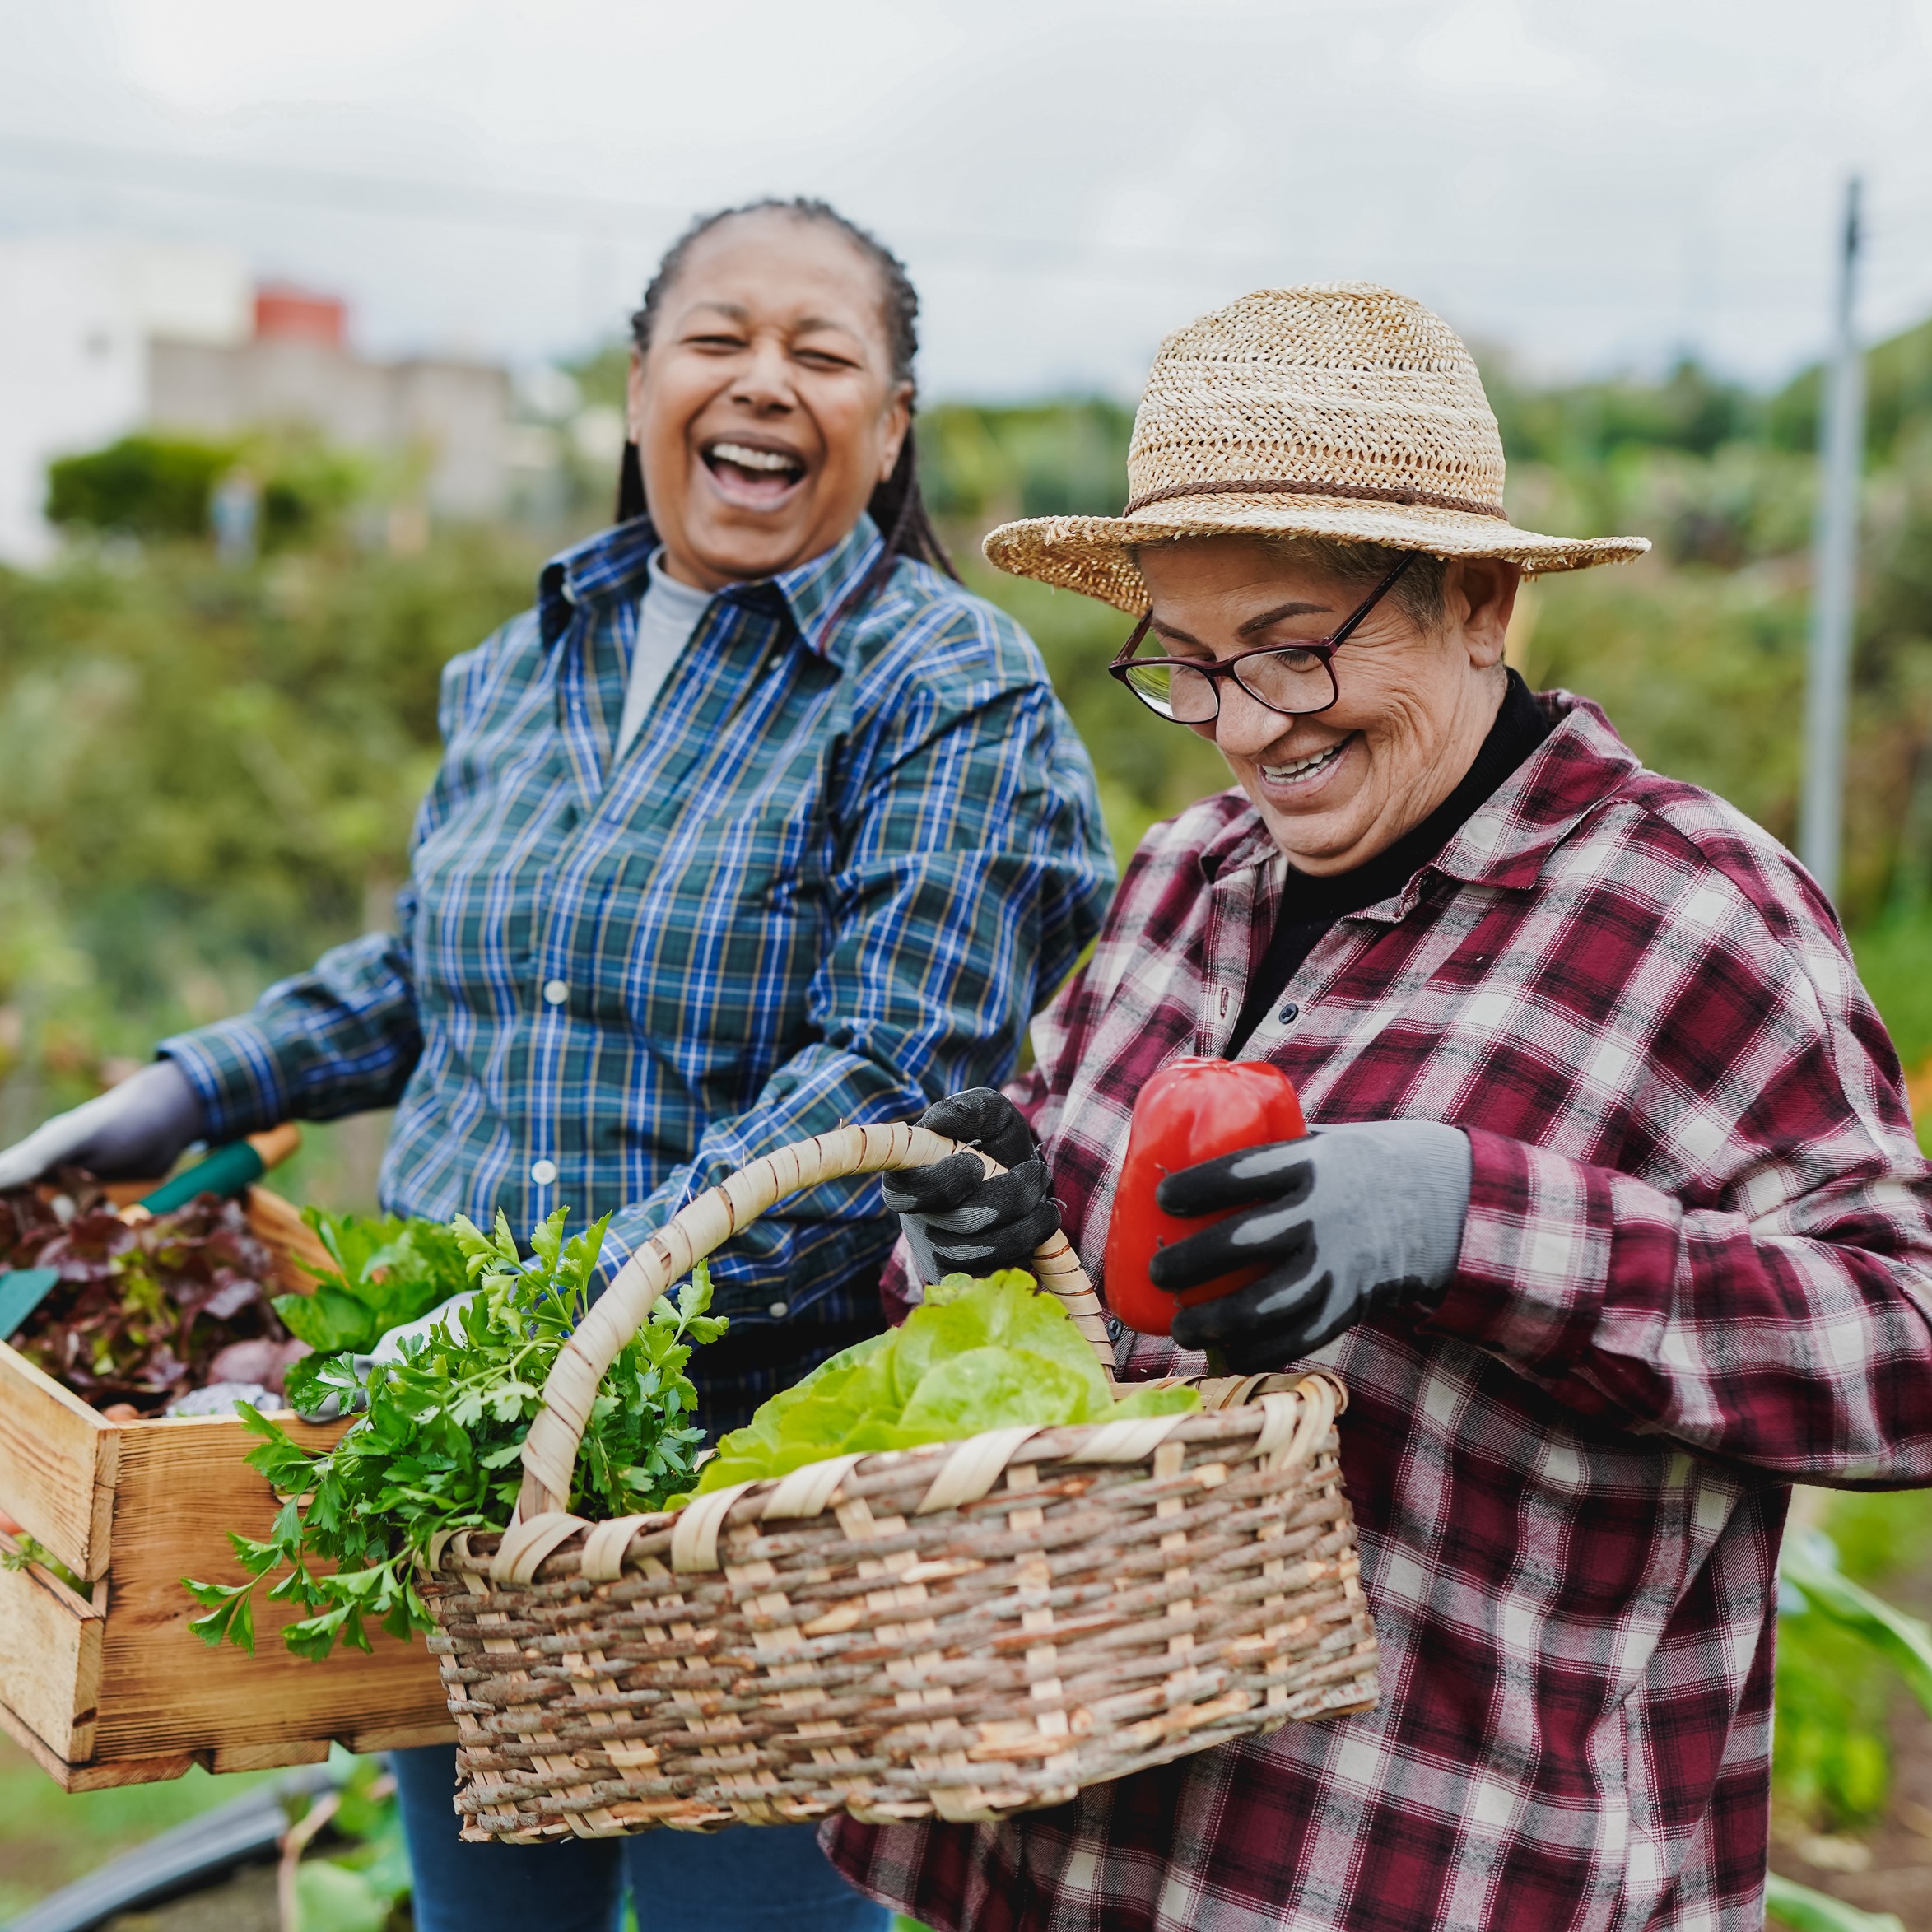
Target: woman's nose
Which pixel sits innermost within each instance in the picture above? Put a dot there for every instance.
(764, 377)
(1245, 727)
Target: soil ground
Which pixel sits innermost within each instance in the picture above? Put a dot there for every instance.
(245, 1903)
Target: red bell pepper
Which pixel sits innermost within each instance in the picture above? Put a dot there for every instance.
(1191, 1110)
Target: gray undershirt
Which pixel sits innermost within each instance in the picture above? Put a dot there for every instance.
(667, 615)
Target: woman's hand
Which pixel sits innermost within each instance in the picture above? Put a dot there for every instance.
(958, 1221)
(1348, 1220)
(135, 1129)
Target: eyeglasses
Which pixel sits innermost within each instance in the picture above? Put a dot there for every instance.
(1294, 679)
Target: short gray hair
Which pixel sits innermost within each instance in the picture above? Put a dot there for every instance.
(1418, 590)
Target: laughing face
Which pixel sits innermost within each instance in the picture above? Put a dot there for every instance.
(766, 409)
(1336, 787)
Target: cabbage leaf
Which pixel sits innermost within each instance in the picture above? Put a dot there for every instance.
(994, 1353)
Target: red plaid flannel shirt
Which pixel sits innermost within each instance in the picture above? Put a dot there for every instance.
(1697, 1268)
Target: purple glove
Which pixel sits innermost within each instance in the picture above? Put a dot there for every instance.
(131, 1131)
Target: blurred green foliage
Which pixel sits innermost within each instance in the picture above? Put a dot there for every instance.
(207, 774)
(1838, 1671)
(1694, 412)
(1898, 399)
(982, 465)
(49, 1838)
(140, 487)
(162, 486)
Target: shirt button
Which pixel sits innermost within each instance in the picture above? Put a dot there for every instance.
(779, 1310)
(556, 992)
(543, 1172)
(1289, 1011)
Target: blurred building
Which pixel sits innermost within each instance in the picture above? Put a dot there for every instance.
(100, 337)
(296, 367)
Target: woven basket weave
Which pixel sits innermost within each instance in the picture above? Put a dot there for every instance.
(960, 1631)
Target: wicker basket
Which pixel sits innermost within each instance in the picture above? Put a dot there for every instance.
(959, 1632)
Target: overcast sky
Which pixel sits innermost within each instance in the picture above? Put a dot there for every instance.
(1595, 185)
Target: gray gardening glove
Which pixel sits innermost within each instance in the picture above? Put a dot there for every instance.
(388, 1347)
(958, 1221)
(136, 1129)
(1348, 1221)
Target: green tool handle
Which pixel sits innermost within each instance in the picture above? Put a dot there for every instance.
(229, 1170)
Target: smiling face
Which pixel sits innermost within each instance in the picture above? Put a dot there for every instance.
(765, 410)
(1338, 786)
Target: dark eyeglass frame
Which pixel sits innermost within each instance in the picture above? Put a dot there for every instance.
(1323, 648)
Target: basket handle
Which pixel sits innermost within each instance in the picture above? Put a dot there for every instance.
(697, 1229)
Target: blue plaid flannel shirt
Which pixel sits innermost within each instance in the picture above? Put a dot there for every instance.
(849, 854)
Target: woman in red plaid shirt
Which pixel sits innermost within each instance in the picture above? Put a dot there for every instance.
(1613, 1220)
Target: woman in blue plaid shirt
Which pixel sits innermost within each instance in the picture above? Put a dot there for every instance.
(758, 823)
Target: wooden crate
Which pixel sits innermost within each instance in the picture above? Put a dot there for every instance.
(112, 1688)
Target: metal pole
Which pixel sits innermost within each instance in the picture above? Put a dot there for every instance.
(1834, 579)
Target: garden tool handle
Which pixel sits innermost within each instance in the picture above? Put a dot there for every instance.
(232, 1169)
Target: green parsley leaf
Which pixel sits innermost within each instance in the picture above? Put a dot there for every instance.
(439, 1445)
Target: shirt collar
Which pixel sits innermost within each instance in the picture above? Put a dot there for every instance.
(1506, 840)
(815, 593)
(614, 566)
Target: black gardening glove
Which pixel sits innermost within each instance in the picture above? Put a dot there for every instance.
(138, 1128)
(958, 1220)
(1348, 1221)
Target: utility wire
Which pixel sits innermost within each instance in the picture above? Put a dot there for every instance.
(1894, 265)
(601, 216)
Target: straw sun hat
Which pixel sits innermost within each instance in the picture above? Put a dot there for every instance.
(1341, 410)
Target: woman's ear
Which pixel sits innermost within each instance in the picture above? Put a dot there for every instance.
(633, 397)
(898, 421)
(1478, 593)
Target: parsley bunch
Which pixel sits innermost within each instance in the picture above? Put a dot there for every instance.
(439, 1446)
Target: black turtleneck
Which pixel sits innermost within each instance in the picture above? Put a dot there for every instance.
(1311, 905)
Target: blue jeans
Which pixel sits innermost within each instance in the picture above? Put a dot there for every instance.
(740, 1880)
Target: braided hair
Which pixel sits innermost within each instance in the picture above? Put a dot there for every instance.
(895, 505)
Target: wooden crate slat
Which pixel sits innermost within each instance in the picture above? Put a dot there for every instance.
(182, 1486)
(57, 1459)
(277, 1757)
(91, 1776)
(401, 1737)
(280, 1224)
(50, 1665)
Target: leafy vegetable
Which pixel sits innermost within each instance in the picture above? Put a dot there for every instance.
(388, 1271)
(1805, 1911)
(439, 1447)
(974, 1355)
(356, 1886)
(1809, 1562)
(1839, 1647)
(142, 1309)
